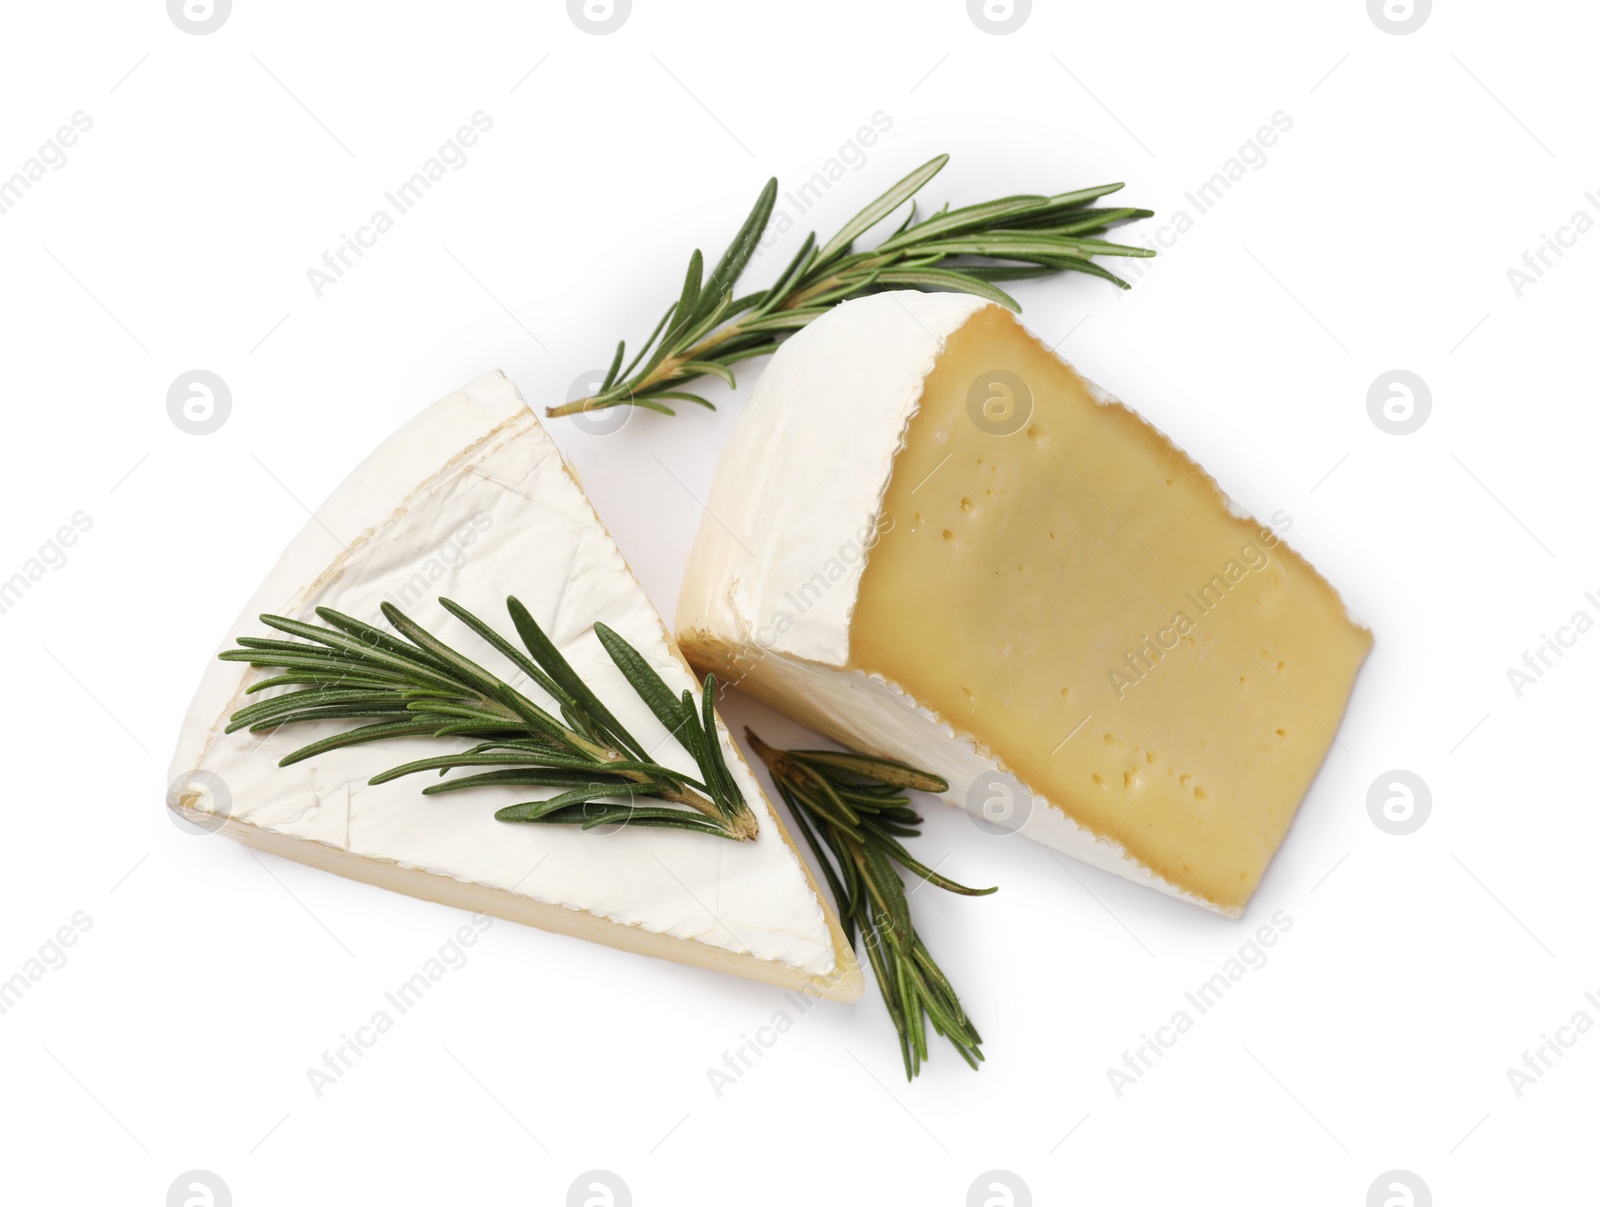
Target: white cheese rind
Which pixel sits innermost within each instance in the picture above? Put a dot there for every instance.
(471, 501)
(820, 430)
(771, 586)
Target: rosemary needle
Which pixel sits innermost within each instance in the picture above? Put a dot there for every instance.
(409, 684)
(708, 330)
(856, 807)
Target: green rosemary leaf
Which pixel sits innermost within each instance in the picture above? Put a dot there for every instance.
(990, 213)
(631, 815)
(944, 1021)
(721, 281)
(1094, 270)
(897, 852)
(583, 815)
(678, 715)
(332, 713)
(694, 739)
(415, 670)
(888, 773)
(292, 702)
(1083, 221)
(882, 207)
(796, 270)
(819, 792)
(888, 986)
(501, 757)
(684, 822)
(698, 367)
(372, 635)
(645, 347)
(1082, 197)
(825, 792)
(874, 803)
(616, 366)
(941, 983)
(681, 396)
(473, 730)
(688, 336)
(684, 313)
(856, 902)
(270, 643)
(724, 791)
(847, 917)
(1011, 245)
(533, 810)
(707, 329)
(356, 737)
(573, 687)
(593, 780)
(462, 667)
(897, 831)
(415, 686)
(757, 349)
(911, 216)
(884, 884)
(956, 281)
(850, 285)
(784, 320)
(351, 681)
(506, 650)
(579, 723)
(650, 404)
(1007, 272)
(644, 680)
(914, 1040)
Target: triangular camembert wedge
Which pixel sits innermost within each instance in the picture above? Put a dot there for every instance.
(471, 500)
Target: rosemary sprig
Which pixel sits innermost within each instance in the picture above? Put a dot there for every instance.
(413, 685)
(708, 330)
(859, 808)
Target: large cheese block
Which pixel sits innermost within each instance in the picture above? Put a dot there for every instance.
(471, 501)
(932, 540)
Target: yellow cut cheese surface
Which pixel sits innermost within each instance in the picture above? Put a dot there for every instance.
(1058, 580)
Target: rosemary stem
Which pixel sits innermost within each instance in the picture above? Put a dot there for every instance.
(416, 686)
(968, 250)
(743, 826)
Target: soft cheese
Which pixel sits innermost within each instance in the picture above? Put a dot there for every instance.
(472, 501)
(930, 539)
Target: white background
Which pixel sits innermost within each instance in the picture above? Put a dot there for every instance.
(1377, 235)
